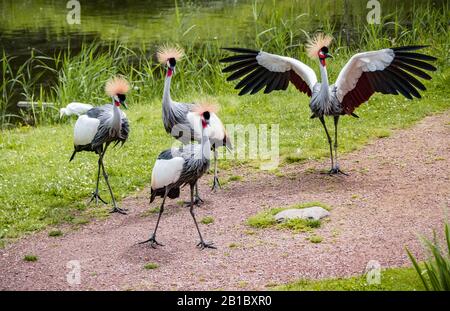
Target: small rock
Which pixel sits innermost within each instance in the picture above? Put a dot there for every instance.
(311, 213)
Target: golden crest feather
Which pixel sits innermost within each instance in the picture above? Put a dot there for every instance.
(117, 85)
(166, 52)
(204, 105)
(314, 45)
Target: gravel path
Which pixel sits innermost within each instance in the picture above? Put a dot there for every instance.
(398, 187)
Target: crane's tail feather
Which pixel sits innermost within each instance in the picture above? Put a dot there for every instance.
(73, 156)
(173, 193)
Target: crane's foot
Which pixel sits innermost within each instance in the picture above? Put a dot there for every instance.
(336, 171)
(152, 242)
(202, 245)
(119, 210)
(96, 197)
(197, 201)
(216, 184)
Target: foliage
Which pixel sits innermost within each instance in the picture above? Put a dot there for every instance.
(435, 274)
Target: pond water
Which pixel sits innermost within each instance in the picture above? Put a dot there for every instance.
(43, 25)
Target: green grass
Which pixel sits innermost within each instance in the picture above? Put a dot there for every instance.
(55, 233)
(151, 266)
(435, 273)
(266, 219)
(30, 258)
(392, 279)
(207, 220)
(315, 239)
(39, 187)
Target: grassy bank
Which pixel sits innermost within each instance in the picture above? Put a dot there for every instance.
(39, 187)
(393, 279)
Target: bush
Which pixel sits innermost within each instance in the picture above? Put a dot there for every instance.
(436, 273)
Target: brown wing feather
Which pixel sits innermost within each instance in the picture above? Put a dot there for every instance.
(394, 79)
(299, 83)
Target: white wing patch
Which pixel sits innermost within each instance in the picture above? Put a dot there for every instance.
(75, 108)
(85, 130)
(359, 63)
(166, 172)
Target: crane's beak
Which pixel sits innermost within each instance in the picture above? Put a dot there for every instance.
(124, 104)
(328, 55)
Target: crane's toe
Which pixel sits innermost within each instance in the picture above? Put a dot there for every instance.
(197, 201)
(336, 171)
(216, 184)
(152, 242)
(119, 210)
(203, 245)
(96, 197)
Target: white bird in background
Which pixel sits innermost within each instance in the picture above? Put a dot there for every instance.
(74, 108)
(388, 71)
(180, 119)
(177, 167)
(100, 127)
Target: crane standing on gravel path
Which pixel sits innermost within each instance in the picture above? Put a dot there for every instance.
(182, 166)
(179, 118)
(389, 71)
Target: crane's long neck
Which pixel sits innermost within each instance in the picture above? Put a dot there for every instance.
(116, 119)
(206, 146)
(167, 100)
(324, 89)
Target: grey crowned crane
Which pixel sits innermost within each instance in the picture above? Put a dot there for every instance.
(388, 71)
(74, 108)
(182, 166)
(179, 118)
(101, 126)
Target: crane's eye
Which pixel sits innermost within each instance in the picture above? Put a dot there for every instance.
(172, 62)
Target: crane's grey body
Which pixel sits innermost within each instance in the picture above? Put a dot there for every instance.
(175, 121)
(324, 103)
(113, 127)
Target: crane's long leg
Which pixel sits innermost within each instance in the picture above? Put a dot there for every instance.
(95, 194)
(336, 169)
(216, 183)
(115, 209)
(202, 244)
(152, 239)
(322, 120)
(197, 199)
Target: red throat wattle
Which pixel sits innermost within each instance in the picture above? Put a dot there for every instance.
(204, 124)
(116, 103)
(169, 72)
(322, 61)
